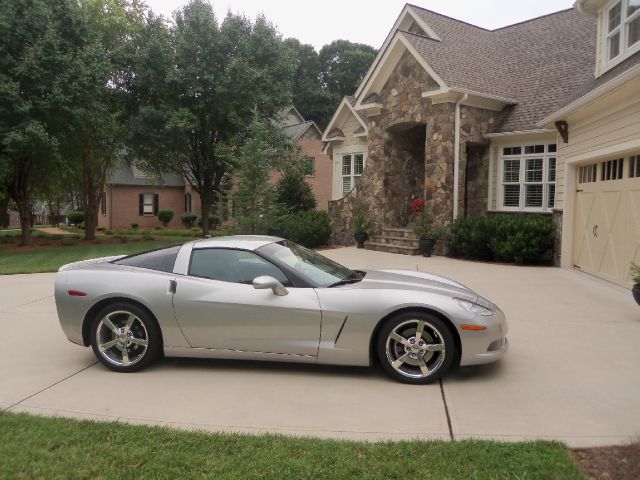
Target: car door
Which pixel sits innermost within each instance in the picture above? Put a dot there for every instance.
(217, 307)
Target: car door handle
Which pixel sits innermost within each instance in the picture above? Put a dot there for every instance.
(173, 286)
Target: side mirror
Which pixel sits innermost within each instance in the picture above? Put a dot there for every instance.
(266, 282)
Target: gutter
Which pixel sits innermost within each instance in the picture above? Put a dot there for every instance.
(456, 157)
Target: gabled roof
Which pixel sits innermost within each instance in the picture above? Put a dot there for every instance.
(294, 132)
(344, 109)
(532, 65)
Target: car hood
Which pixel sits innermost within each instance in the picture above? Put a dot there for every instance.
(414, 280)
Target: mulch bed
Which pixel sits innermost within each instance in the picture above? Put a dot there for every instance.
(616, 463)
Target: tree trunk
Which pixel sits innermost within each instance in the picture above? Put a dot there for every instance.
(26, 219)
(20, 193)
(4, 212)
(205, 207)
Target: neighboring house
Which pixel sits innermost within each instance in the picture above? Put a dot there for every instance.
(133, 196)
(464, 117)
(308, 136)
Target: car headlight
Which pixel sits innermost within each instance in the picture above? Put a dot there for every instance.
(474, 307)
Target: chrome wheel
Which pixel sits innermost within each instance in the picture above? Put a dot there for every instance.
(415, 349)
(122, 338)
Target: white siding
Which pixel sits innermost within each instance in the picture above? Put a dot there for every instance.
(350, 144)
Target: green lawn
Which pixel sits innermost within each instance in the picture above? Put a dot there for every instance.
(49, 448)
(49, 260)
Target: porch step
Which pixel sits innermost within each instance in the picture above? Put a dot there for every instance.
(397, 241)
(398, 232)
(385, 247)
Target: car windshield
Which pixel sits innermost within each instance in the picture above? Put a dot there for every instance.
(320, 270)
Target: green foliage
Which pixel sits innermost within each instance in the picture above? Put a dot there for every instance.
(134, 226)
(523, 239)
(360, 219)
(293, 193)
(311, 228)
(75, 218)
(189, 220)
(165, 216)
(424, 226)
(214, 221)
(635, 273)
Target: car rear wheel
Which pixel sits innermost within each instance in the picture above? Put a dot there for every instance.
(416, 347)
(125, 338)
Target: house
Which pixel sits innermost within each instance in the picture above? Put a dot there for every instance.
(308, 136)
(480, 121)
(133, 196)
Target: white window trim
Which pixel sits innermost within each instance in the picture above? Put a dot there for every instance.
(145, 205)
(625, 51)
(352, 176)
(522, 177)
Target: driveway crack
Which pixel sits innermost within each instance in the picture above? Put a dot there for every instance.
(446, 410)
(48, 387)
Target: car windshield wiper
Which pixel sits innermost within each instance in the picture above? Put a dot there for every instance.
(355, 278)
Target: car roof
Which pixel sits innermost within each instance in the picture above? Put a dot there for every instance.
(243, 242)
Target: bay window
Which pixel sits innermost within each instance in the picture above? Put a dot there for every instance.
(528, 177)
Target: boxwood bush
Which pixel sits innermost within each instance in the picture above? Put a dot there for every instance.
(523, 239)
(311, 228)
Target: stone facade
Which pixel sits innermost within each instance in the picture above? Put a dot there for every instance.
(410, 152)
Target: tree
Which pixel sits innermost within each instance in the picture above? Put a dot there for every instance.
(214, 76)
(40, 39)
(293, 192)
(344, 65)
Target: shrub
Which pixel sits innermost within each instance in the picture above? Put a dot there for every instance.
(76, 217)
(67, 243)
(294, 194)
(134, 226)
(74, 237)
(360, 220)
(100, 229)
(123, 239)
(635, 273)
(523, 239)
(165, 216)
(148, 238)
(311, 228)
(108, 232)
(189, 220)
(214, 221)
(424, 225)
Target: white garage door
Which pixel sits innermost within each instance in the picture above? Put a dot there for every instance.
(607, 221)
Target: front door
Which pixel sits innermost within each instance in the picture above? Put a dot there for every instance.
(217, 307)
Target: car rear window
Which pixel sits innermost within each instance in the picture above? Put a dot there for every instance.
(161, 260)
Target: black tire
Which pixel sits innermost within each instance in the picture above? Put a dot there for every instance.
(437, 350)
(143, 328)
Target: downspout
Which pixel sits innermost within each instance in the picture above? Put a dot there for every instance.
(456, 157)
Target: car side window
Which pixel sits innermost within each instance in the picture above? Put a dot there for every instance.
(234, 266)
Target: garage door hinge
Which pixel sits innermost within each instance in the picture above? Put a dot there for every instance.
(579, 190)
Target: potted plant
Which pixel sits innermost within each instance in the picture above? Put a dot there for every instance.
(424, 228)
(360, 223)
(635, 276)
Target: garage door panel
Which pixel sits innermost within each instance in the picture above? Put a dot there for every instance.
(584, 207)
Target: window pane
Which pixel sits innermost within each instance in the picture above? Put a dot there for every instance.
(346, 165)
(511, 171)
(534, 170)
(552, 148)
(517, 150)
(161, 260)
(614, 16)
(529, 149)
(552, 170)
(507, 151)
(358, 164)
(148, 203)
(346, 185)
(533, 196)
(633, 31)
(551, 197)
(511, 196)
(614, 46)
(633, 7)
(235, 266)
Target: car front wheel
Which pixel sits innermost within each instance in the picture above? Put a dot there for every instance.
(125, 338)
(416, 347)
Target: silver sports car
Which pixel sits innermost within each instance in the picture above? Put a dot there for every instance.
(265, 298)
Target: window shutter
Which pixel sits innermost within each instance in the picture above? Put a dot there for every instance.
(185, 203)
(156, 203)
(141, 204)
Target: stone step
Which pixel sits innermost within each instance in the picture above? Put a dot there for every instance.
(401, 241)
(398, 232)
(385, 247)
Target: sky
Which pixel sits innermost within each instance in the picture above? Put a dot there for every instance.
(319, 23)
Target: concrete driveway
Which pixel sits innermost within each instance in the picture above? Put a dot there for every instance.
(571, 374)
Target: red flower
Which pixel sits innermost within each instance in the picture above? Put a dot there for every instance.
(417, 205)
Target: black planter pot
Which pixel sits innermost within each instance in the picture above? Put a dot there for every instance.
(426, 246)
(361, 238)
(636, 292)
